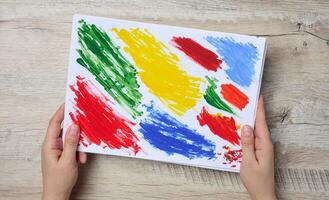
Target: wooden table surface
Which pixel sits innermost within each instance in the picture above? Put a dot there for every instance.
(34, 51)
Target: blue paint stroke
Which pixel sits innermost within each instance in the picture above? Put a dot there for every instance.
(166, 133)
(240, 57)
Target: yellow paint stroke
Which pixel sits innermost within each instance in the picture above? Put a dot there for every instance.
(160, 72)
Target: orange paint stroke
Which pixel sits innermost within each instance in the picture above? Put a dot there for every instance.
(233, 95)
(160, 71)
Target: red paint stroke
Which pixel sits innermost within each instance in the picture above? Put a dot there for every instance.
(233, 95)
(224, 127)
(232, 156)
(97, 119)
(206, 58)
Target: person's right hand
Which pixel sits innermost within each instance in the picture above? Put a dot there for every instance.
(257, 167)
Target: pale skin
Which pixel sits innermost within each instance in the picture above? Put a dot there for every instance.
(60, 162)
(257, 167)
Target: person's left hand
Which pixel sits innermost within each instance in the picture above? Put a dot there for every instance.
(60, 165)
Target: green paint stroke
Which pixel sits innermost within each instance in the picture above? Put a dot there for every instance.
(101, 57)
(213, 99)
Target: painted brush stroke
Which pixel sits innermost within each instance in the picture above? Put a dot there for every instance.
(240, 57)
(232, 157)
(214, 99)
(234, 96)
(160, 72)
(97, 119)
(166, 133)
(101, 57)
(222, 126)
(199, 54)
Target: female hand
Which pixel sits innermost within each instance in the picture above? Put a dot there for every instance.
(257, 167)
(60, 165)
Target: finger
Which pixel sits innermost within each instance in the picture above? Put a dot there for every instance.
(263, 144)
(82, 157)
(261, 129)
(52, 150)
(247, 143)
(54, 127)
(71, 144)
(59, 144)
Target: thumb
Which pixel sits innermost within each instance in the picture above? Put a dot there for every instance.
(248, 144)
(71, 143)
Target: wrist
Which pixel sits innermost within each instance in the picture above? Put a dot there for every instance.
(267, 197)
(53, 196)
(271, 196)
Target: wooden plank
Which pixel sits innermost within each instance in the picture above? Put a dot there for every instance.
(164, 180)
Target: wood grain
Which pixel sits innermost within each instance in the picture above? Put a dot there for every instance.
(34, 49)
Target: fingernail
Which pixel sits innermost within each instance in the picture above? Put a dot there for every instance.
(246, 131)
(74, 129)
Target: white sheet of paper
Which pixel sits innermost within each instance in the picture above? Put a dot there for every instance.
(200, 145)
